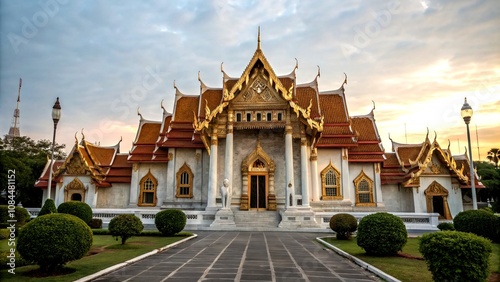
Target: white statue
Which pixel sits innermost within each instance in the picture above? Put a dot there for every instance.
(225, 192)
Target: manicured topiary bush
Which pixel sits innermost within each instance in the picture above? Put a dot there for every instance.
(343, 224)
(125, 226)
(479, 222)
(381, 234)
(53, 240)
(170, 222)
(456, 256)
(48, 208)
(21, 215)
(96, 223)
(443, 226)
(79, 209)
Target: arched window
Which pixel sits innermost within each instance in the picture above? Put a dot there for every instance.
(280, 116)
(184, 182)
(330, 183)
(364, 190)
(147, 195)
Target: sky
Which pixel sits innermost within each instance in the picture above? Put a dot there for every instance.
(416, 60)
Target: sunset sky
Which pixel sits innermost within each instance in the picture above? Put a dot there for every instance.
(416, 60)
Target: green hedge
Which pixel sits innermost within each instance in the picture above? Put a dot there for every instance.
(456, 256)
(79, 209)
(381, 234)
(48, 207)
(125, 226)
(443, 226)
(53, 240)
(479, 222)
(171, 221)
(22, 216)
(343, 224)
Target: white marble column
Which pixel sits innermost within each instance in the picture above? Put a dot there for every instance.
(134, 186)
(228, 166)
(314, 175)
(378, 186)
(212, 180)
(347, 192)
(290, 188)
(304, 171)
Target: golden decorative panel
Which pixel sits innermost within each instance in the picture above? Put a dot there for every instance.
(364, 190)
(330, 183)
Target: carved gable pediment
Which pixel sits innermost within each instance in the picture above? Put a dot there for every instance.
(75, 184)
(76, 166)
(258, 160)
(436, 189)
(258, 93)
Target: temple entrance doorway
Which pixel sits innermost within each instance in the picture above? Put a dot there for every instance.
(258, 192)
(436, 198)
(437, 205)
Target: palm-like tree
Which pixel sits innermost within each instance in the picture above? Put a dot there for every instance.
(494, 156)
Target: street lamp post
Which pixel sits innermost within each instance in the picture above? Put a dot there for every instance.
(56, 115)
(466, 113)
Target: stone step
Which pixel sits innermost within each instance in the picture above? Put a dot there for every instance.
(256, 219)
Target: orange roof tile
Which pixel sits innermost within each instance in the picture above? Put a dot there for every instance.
(213, 97)
(305, 96)
(184, 108)
(333, 108)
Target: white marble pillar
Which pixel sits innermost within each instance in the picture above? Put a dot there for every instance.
(290, 188)
(212, 180)
(347, 192)
(304, 171)
(378, 186)
(314, 175)
(228, 166)
(171, 189)
(134, 186)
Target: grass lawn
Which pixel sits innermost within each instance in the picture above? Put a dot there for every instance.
(404, 269)
(105, 252)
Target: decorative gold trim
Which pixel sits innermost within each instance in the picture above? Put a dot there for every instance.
(184, 168)
(150, 176)
(363, 177)
(257, 154)
(436, 189)
(338, 183)
(74, 187)
(449, 160)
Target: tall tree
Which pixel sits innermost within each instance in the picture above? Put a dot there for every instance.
(490, 177)
(493, 156)
(27, 158)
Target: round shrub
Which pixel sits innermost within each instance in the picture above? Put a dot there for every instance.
(443, 226)
(21, 216)
(96, 223)
(53, 240)
(479, 222)
(456, 256)
(48, 208)
(170, 222)
(125, 226)
(343, 224)
(381, 234)
(79, 209)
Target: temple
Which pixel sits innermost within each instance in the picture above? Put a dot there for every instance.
(289, 150)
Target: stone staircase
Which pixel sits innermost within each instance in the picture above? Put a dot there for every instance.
(256, 220)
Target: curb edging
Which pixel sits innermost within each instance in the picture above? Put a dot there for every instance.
(359, 262)
(133, 260)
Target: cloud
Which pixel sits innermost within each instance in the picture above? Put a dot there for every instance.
(416, 59)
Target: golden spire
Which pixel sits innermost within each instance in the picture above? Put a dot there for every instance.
(258, 40)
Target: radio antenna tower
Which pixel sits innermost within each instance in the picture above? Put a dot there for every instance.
(14, 129)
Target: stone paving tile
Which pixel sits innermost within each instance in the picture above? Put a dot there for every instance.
(244, 256)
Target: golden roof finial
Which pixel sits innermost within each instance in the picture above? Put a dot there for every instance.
(258, 39)
(139, 112)
(319, 72)
(345, 80)
(199, 76)
(296, 64)
(83, 135)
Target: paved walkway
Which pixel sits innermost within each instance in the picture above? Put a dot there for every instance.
(244, 256)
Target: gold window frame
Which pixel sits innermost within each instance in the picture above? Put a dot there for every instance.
(143, 190)
(357, 181)
(184, 169)
(336, 173)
